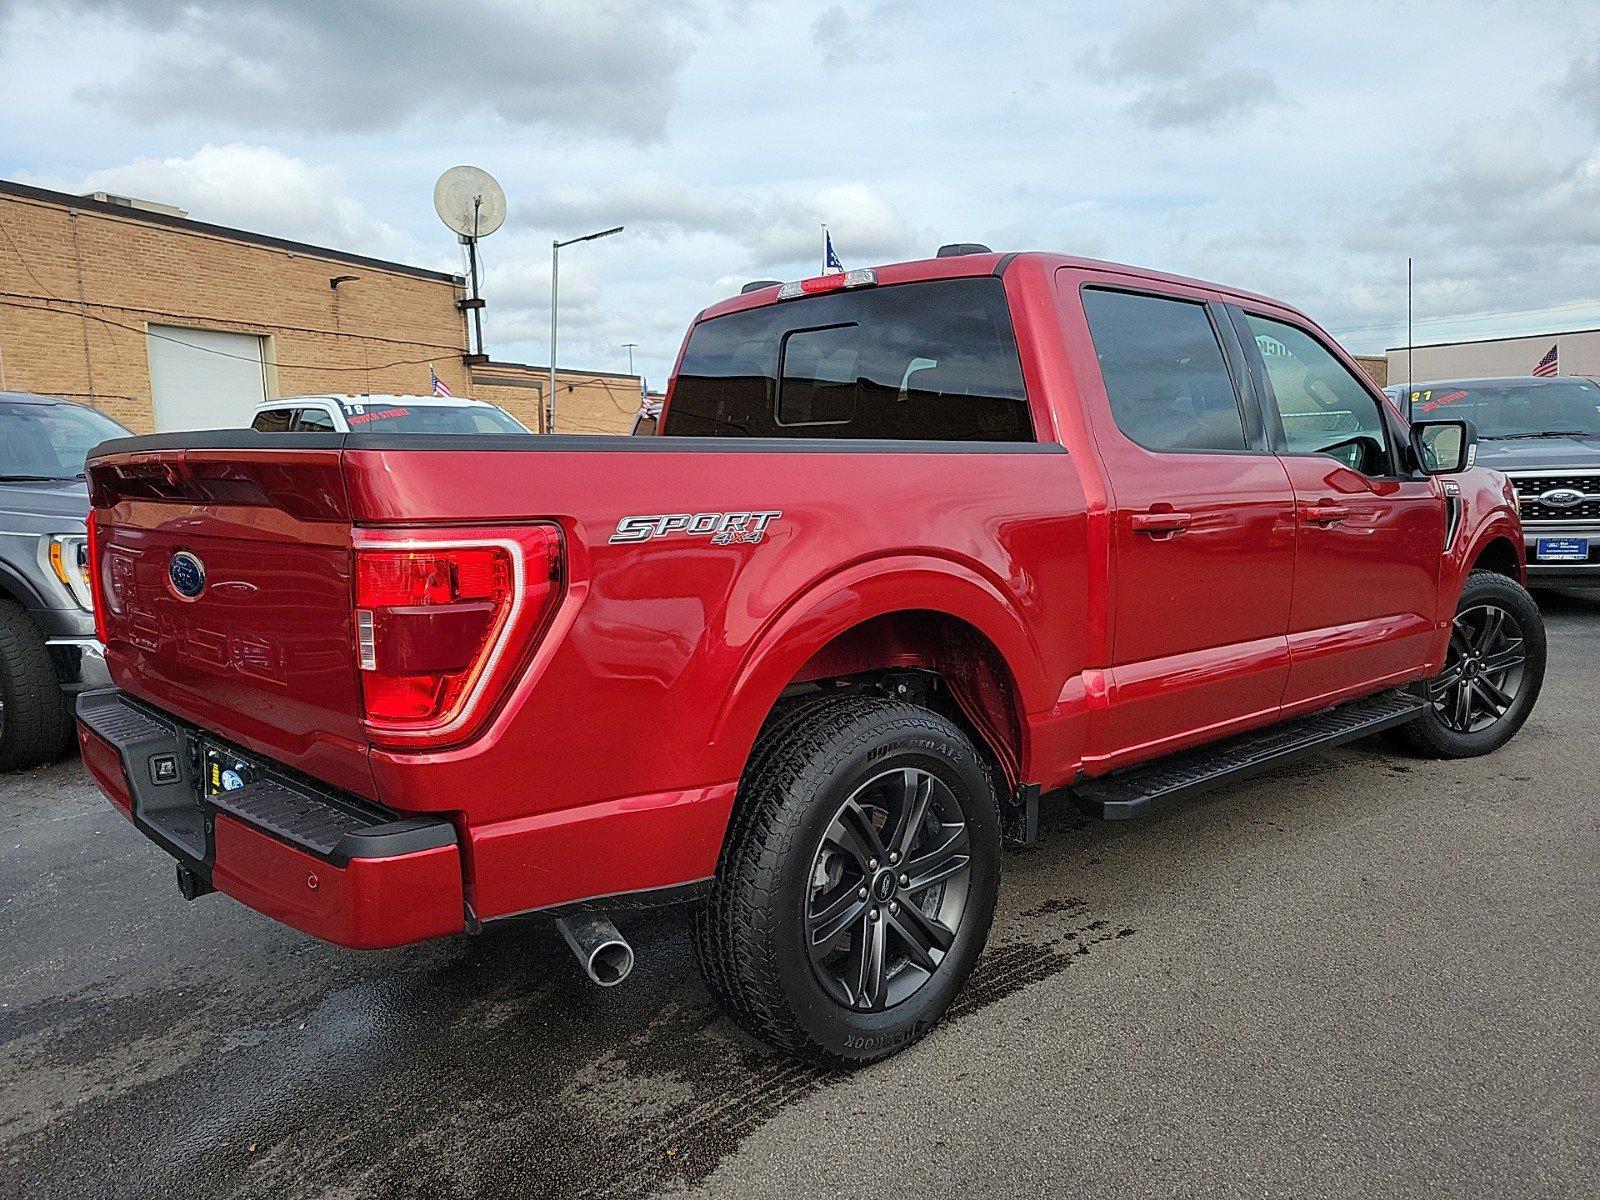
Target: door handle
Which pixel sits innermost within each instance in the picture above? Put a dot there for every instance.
(1161, 522)
(1326, 513)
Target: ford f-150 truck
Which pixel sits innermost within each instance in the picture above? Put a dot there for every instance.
(917, 546)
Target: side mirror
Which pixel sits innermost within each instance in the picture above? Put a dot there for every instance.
(1444, 447)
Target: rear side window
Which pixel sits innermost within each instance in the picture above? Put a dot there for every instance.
(274, 420)
(314, 420)
(1164, 372)
(918, 361)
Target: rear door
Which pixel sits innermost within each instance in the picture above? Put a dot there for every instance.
(1370, 537)
(1201, 521)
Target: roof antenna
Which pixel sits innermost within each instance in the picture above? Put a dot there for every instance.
(1410, 339)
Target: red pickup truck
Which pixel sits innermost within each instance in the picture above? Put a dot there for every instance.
(918, 544)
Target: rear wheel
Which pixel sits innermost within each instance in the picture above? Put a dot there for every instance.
(859, 879)
(1493, 671)
(35, 725)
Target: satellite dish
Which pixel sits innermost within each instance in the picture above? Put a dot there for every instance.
(469, 201)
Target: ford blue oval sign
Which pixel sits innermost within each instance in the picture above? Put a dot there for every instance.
(187, 574)
(1563, 498)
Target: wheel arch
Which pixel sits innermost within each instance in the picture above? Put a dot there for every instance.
(915, 613)
(15, 586)
(1497, 553)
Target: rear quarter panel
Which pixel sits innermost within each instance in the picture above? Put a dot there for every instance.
(666, 655)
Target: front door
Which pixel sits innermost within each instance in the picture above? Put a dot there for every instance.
(1201, 527)
(1370, 538)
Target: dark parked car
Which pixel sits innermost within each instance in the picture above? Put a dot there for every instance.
(47, 642)
(1544, 433)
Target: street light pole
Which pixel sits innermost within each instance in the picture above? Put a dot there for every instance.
(628, 346)
(555, 271)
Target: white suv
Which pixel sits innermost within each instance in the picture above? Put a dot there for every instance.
(382, 414)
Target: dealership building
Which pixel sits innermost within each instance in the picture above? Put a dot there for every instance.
(1577, 353)
(166, 323)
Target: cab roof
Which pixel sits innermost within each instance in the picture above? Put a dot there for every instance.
(958, 266)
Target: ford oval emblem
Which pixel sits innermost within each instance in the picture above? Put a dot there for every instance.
(1562, 498)
(187, 574)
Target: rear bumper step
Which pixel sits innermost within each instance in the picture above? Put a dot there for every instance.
(315, 859)
(1125, 794)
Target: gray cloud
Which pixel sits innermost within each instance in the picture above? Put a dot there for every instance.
(257, 188)
(857, 34)
(1581, 85)
(588, 66)
(1167, 58)
(769, 229)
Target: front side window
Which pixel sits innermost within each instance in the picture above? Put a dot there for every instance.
(1164, 372)
(916, 361)
(1323, 407)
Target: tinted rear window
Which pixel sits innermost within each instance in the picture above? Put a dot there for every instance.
(428, 418)
(918, 361)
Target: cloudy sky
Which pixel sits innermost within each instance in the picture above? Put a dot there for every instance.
(1296, 147)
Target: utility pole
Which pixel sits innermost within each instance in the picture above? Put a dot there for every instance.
(555, 273)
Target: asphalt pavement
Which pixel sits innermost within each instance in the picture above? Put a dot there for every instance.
(1368, 975)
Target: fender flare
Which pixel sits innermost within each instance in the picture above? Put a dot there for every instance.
(875, 588)
(19, 587)
(1499, 525)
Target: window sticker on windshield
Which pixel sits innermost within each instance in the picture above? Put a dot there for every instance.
(385, 414)
(1427, 401)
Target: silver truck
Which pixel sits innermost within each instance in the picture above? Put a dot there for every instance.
(48, 650)
(1544, 434)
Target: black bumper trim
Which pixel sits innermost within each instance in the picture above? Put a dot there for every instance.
(315, 820)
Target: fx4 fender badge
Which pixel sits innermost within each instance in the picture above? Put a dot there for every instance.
(723, 528)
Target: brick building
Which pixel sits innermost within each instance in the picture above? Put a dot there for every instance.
(586, 401)
(164, 322)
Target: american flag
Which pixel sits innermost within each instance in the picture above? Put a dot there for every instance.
(1547, 364)
(439, 388)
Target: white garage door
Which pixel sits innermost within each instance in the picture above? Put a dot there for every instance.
(205, 379)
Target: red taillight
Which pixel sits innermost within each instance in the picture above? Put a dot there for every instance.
(444, 620)
(96, 595)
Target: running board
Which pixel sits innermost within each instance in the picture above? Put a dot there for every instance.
(1125, 794)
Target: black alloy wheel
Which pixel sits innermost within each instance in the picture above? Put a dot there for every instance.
(1483, 671)
(1493, 672)
(888, 889)
(858, 881)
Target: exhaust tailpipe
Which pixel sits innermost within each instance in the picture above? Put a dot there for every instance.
(604, 953)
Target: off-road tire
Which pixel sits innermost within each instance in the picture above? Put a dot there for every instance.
(35, 725)
(1431, 735)
(750, 932)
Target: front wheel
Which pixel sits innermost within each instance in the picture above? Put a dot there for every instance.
(1492, 673)
(858, 882)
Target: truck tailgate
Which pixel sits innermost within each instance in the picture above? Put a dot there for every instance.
(262, 652)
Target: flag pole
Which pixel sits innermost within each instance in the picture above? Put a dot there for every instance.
(824, 247)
